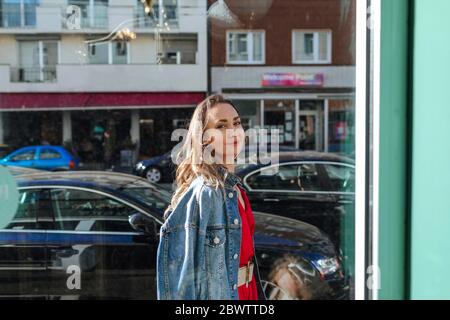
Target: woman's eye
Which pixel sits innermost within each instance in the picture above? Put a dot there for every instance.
(237, 123)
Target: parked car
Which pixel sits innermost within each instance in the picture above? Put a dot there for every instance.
(162, 168)
(316, 188)
(95, 235)
(52, 158)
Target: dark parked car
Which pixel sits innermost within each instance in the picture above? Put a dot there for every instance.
(95, 235)
(317, 188)
(52, 158)
(162, 168)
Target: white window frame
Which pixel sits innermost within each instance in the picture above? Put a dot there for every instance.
(40, 44)
(249, 46)
(316, 60)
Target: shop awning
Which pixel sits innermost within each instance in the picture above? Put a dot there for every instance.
(67, 101)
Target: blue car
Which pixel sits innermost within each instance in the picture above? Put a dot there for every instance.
(52, 158)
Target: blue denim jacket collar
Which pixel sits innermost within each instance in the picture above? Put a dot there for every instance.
(231, 179)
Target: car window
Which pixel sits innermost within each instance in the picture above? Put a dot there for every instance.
(341, 178)
(292, 177)
(80, 210)
(30, 203)
(47, 154)
(24, 155)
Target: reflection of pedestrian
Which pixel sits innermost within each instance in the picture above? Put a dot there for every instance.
(288, 283)
(86, 148)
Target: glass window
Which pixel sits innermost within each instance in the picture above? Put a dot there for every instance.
(114, 52)
(48, 154)
(341, 178)
(250, 112)
(79, 210)
(245, 47)
(160, 17)
(94, 13)
(311, 46)
(18, 13)
(37, 61)
(280, 115)
(31, 204)
(111, 83)
(24, 155)
(295, 177)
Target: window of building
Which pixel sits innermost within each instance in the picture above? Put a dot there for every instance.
(311, 47)
(164, 14)
(18, 13)
(37, 61)
(245, 47)
(94, 13)
(112, 52)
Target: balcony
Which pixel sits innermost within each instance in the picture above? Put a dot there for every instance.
(85, 17)
(163, 19)
(33, 74)
(105, 78)
(16, 16)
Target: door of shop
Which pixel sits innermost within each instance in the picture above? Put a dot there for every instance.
(308, 130)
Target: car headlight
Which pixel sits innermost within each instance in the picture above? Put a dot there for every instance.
(327, 266)
(139, 166)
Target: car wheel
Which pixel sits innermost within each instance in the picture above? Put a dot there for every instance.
(153, 175)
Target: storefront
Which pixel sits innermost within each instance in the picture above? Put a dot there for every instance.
(312, 122)
(103, 130)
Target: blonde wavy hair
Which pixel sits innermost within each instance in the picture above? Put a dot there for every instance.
(191, 164)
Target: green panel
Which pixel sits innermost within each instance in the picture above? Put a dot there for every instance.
(430, 216)
(393, 151)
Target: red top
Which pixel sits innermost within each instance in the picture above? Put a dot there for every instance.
(248, 230)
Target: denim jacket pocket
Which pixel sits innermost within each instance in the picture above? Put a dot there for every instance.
(215, 237)
(215, 262)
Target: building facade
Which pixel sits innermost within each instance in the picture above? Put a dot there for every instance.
(100, 76)
(290, 66)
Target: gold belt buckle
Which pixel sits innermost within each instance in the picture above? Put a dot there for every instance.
(247, 274)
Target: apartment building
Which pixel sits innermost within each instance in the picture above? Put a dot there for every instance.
(100, 76)
(289, 65)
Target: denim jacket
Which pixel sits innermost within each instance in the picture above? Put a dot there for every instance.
(199, 249)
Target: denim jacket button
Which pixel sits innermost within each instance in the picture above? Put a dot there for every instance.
(234, 287)
(230, 195)
(216, 240)
(235, 256)
(236, 221)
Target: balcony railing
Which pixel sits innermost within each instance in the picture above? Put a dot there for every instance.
(33, 74)
(177, 57)
(13, 16)
(87, 19)
(169, 17)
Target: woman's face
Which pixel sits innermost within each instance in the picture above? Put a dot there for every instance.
(224, 132)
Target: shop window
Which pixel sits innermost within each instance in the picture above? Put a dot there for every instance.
(280, 115)
(249, 111)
